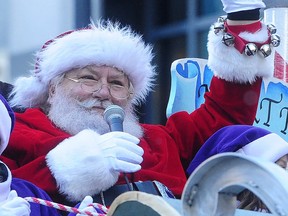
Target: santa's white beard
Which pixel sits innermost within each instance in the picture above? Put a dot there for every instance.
(73, 116)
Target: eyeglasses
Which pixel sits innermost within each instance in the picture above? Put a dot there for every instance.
(90, 85)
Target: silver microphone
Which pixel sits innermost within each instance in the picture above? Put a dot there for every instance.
(114, 116)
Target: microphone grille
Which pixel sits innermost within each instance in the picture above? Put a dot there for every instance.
(113, 111)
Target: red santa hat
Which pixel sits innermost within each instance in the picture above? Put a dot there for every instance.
(106, 43)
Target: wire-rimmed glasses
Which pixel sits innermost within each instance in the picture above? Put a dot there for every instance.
(90, 85)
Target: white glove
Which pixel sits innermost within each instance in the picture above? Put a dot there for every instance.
(230, 6)
(14, 206)
(93, 161)
(84, 205)
(121, 151)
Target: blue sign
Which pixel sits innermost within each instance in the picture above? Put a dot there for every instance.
(190, 79)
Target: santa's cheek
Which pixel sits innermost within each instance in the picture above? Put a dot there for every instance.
(79, 94)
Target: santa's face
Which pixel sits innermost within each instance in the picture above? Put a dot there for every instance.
(79, 101)
(106, 84)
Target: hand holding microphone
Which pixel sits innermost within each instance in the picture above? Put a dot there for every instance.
(121, 148)
(90, 157)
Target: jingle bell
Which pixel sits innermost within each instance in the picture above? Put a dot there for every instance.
(275, 40)
(228, 39)
(250, 49)
(222, 19)
(271, 28)
(265, 50)
(218, 27)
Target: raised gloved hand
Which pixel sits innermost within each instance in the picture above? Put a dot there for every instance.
(230, 6)
(93, 161)
(245, 26)
(14, 206)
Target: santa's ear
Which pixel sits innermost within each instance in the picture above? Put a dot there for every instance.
(51, 91)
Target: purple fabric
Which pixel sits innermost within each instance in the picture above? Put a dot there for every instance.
(99, 211)
(10, 111)
(26, 189)
(227, 139)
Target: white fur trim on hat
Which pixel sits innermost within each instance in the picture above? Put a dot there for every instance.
(102, 44)
(5, 127)
(229, 64)
(270, 147)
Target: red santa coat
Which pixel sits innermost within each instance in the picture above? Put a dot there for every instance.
(167, 149)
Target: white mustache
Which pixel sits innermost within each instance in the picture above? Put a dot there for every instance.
(90, 103)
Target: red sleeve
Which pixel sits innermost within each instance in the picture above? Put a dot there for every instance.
(29, 143)
(225, 104)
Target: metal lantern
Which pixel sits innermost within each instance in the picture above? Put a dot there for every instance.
(265, 50)
(250, 49)
(228, 39)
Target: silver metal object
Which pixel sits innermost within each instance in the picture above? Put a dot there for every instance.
(275, 40)
(228, 39)
(250, 49)
(222, 177)
(271, 28)
(218, 27)
(222, 19)
(265, 50)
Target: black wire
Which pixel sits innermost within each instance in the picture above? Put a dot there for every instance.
(130, 186)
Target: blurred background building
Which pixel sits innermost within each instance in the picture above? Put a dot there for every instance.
(177, 29)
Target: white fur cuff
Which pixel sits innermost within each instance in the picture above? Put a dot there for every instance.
(229, 64)
(79, 167)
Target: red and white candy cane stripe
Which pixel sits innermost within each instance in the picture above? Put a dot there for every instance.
(99, 206)
(67, 208)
